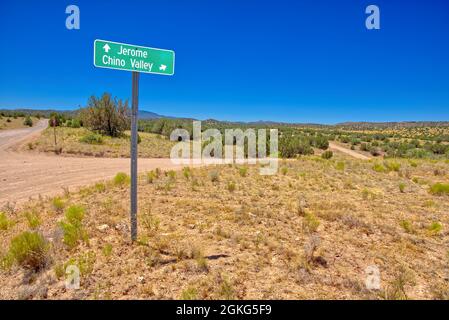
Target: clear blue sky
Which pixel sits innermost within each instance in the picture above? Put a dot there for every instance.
(295, 61)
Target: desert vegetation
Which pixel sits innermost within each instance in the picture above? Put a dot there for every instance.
(16, 122)
(84, 142)
(227, 232)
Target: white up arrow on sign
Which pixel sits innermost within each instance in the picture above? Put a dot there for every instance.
(106, 48)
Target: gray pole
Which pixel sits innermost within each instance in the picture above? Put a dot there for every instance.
(135, 106)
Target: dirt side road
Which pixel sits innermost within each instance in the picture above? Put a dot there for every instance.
(352, 153)
(25, 175)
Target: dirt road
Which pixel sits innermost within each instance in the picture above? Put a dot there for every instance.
(25, 175)
(336, 147)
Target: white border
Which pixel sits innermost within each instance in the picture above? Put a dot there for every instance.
(132, 45)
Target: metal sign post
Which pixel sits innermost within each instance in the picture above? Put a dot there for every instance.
(135, 107)
(128, 57)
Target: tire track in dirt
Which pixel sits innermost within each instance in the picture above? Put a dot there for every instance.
(349, 152)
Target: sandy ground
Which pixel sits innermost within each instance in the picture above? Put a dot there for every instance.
(25, 175)
(354, 154)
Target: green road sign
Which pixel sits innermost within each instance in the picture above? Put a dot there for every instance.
(121, 56)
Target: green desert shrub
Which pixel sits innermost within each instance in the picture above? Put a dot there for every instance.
(106, 115)
(243, 171)
(310, 222)
(107, 250)
(92, 138)
(58, 204)
(402, 187)
(417, 153)
(392, 165)
(29, 250)
(290, 147)
(440, 188)
(100, 187)
(407, 226)
(121, 179)
(186, 172)
(84, 262)
(72, 226)
(231, 186)
(327, 154)
(33, 219)
(5, 223)
(74, 123)
(28, 122)
(171, 174)
(320, 142)
(340, 166)
(189, 294)
(151, 176)
(435, 228)
(379, 167)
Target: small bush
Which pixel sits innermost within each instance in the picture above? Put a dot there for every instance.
(121, 179)
(107, 250)
(106, 115)
(414, 164)
(379, 167)
(189, 294)
(439, 188)
(33, 219)
(186, 172)
(226, 290)
(392, 165)
(151, 176)
(92, 138)
(74, 123)
(310, 223)
(435, 228)
(284, 170)
(58, 204)
(72, 226)
(340, 166)
(327, 154)
(151, 222)
(85, 263)
(5, 223)
(407, 226)
(100, 187)
(28, 122)
(243, 171)
(171, 174)
(231, 186)
(402, 187)
(29, 250)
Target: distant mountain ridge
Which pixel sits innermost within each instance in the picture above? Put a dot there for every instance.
(148, 115)
(399, 124)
